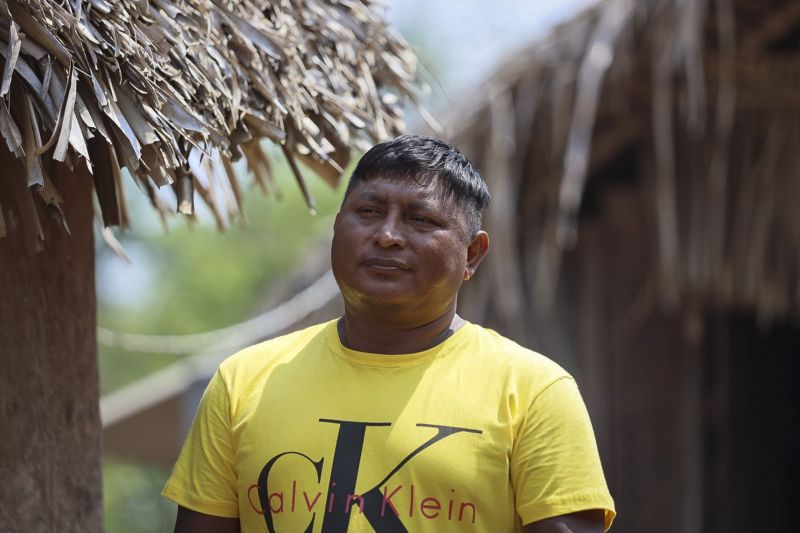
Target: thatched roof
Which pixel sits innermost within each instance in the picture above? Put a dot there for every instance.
(700, 99)
(174, 91)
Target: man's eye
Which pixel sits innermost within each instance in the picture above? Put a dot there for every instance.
(421, 219)
(367, 210)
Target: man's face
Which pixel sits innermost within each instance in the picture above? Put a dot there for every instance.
(401, 248)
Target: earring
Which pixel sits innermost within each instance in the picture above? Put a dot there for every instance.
(467, 275)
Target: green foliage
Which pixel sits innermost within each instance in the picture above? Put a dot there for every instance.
(195, 278)
(130, 493)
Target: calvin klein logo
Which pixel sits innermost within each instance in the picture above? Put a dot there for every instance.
(376, 503)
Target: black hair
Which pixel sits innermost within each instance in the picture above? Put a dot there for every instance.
(420, 158)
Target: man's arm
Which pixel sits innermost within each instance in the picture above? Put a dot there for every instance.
(189, 521)
(582, 522)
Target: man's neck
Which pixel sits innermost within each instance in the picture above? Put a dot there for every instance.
(366, 335)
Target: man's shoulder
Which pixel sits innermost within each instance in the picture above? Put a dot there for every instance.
(492, 348)
(275, 350)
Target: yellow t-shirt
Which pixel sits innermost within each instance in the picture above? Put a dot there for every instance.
(300, 434)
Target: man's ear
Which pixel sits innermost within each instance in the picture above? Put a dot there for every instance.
(476, 251)
(336, 221)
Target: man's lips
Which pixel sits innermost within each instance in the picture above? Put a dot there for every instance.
(386, 264)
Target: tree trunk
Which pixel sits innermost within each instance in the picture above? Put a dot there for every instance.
(50, 478)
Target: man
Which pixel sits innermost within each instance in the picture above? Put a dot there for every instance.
(400, 415)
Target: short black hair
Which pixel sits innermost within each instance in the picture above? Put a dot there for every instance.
(420, 158)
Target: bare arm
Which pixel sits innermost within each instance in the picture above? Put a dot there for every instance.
(582, 522)
(189, 521)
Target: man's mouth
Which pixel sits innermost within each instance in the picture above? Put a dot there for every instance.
(386, 264)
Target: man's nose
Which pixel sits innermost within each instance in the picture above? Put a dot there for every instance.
(390, 233)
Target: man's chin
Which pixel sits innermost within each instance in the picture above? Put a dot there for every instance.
(389, 301)
(386, 301)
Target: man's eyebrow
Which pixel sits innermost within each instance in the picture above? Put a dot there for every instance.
(372, 196)
(428, 204)
(423, 204)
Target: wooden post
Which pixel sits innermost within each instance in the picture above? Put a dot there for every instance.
(50, 477)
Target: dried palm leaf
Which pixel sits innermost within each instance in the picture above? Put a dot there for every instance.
(695, 98)
(140, 84)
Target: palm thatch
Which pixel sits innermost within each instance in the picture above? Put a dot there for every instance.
(175, 91)
(701, 102)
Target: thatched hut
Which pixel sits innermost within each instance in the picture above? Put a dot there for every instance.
(169, 94)
(645, 174)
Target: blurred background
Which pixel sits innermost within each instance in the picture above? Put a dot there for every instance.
(643, 165)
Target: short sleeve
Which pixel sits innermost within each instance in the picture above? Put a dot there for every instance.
(555, 466)
(204, 478)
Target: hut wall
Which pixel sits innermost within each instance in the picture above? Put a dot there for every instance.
(752, 445)
(640, 377)
(696, 405)
(686, 248)
(696, 408)
(49, 420)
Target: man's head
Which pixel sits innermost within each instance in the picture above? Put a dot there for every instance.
(408, 232)
(424, 160)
